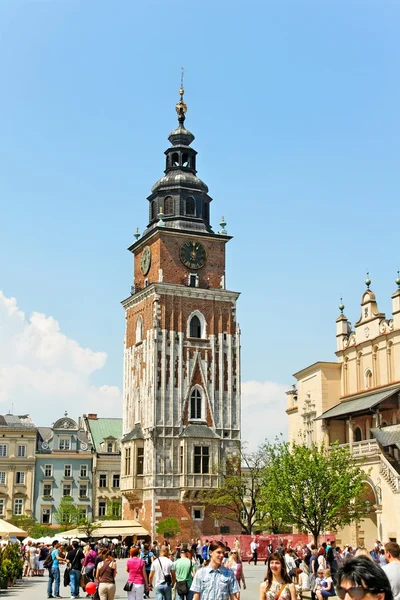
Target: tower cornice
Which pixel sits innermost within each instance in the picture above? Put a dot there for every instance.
(154, 233)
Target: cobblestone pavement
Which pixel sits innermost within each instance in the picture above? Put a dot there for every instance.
(35, 588)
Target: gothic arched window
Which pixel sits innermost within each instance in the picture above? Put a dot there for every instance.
(195, 404)
(139, 330)
(190, 207)
(168, 205)
(358, 434)
(195, 327)
(368, 379)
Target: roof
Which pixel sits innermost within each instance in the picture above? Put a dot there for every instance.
(110, 529)
(320, 365)
(135, 434)
(387, 436)
(7, 529)
(17, 421)
(360, 404)
(101, 429)
(199, 431)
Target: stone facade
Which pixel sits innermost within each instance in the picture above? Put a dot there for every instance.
(356, 401)
(181, 413)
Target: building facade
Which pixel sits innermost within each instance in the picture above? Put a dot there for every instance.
(63, 468)
(356, 401)
(181, 412)
(17, 465)
(105, 437)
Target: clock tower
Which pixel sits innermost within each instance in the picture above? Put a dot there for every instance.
(181, 413)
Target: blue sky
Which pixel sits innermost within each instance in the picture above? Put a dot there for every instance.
(294, 105)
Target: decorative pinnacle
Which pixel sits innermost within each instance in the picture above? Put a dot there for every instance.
(341, 306)
(223, 225)
(161, 216)
(398, 279)
(136, 235)
(181, 107)
(368, 281)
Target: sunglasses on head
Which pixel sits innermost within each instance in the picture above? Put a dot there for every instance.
(356, 592)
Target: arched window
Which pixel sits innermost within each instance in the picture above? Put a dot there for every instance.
(358, 434)
(153, 209)
(195, 327)
(109, 447)
(175, 159)
(185, 159)
(195, 404)
(190, 206)
(168, 205)
(368, 379)
(139, 330)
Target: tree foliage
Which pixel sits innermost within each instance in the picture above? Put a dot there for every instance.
(168, 527)
(239, 499)
(67, 514)
(314, 488)
(87, 527)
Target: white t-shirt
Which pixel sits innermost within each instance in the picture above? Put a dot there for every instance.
(304, 581)
(253, 546)
(392, 571)
(166, 565)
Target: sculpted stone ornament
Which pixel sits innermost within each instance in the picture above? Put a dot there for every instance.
(366, 331)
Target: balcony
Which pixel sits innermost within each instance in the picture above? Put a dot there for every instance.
(365, 448)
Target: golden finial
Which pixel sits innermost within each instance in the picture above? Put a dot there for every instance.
(181, 107)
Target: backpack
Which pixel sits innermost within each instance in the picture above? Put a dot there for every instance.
(48, 561)
(147, 560)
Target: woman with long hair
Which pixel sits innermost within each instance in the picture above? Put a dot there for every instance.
(105, 574)
(277, 584)
(234, 563)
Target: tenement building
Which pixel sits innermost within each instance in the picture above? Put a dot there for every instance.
(181, 413)
(355, 401)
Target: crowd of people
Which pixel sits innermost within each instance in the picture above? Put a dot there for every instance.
(211, 570)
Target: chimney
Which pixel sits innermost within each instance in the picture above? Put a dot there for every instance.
(92, 416)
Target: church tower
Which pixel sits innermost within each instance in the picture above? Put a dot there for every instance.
(181, 413)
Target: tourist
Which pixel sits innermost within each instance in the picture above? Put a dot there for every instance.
(162, 578)
(137, 575)
(105, 574)
(215, 581)
(361, 579)
(277, 583)
(317, 585)
(184, 570)
(304, 578)
(147, 556)
(361, 551)
(89, 562)
(54, 572)
(327, 588)
(392, 569)
(254, 551)
(43, 553)
(75, 558)
(382, 558)
(235, 564)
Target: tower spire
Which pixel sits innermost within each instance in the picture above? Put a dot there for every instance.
(180, 106)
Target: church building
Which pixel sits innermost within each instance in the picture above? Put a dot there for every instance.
(355, 401)
(181, 412)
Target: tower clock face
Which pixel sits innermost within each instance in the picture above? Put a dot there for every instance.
(145, 261)
(193, 255)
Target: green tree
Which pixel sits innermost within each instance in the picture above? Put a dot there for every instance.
(239, 498)
(168, 527)
(314, 488)
(87, 527)
(113, 510)
(39, 531)
(67, 514)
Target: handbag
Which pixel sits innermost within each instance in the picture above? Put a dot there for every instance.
(182, 587)
(128, 586)
(168, 577)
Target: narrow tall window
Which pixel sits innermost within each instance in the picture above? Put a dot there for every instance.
(127, 461)
(21, 452)
(153, 209)
(115, 480)
(20, 477)
(175, 159)
(102, 509)
(3, 450)
(2, 477)
(103, 480)
(46, 516)
(190, 207)
(67, 489)
(67, 470)
(201, 459)
(83, 491)
(195, 327)
(47, 490)
(140, 461)
(195, 404)
(48, 470)
(1, 507)
(168, 205)
(18, 506)
(83, 470)
(109, 447)
(181, 458)
(357, 434)
(139, 330)
(368, 379)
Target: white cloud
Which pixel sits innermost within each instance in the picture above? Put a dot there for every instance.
(44, 373)
(263, 412)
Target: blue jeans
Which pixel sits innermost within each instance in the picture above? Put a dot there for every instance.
(163, 592)
(188, 596)
(54, 575)
(74, 576)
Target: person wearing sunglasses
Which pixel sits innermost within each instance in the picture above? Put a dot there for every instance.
(361, 579)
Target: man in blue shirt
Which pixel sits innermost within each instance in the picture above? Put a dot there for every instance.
(54, 572)
(215, 581)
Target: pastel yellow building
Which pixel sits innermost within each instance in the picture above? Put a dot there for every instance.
(355, 401)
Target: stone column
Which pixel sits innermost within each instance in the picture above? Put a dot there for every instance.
(350, 433)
